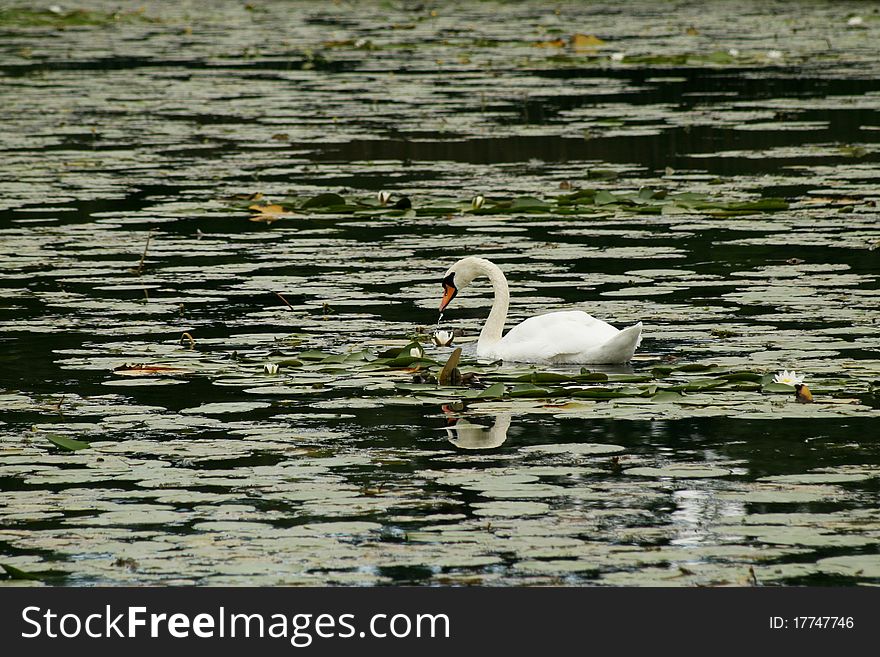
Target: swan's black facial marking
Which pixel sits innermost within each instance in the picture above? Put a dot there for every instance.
(449, 291)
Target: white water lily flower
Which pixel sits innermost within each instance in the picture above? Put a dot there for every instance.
(617, 57)
(733, 52)
(270, 368)
(854, 21)
(788, 378)
(442, 338)
(417, 351)
(477, 202)
(774, 54)
(383, 197)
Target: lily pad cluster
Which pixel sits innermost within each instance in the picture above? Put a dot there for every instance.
(647, 200)
(441, 377)
(56, 17)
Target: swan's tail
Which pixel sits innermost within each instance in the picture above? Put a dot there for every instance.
(623, 345)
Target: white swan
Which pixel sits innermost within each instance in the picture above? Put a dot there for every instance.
(562, 337)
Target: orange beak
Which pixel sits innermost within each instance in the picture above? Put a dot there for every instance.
(449, 292)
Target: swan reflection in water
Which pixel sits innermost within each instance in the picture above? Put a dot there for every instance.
(465, 434)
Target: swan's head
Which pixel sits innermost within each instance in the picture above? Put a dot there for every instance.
(459, 276)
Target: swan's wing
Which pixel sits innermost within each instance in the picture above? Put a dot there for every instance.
(620, 348)
(554, 335)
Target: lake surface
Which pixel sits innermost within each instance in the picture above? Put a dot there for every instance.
(167, 239)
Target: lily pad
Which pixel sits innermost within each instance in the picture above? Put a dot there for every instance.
(679, 471)
(857, 565)
(222, 408)
(326, 200)
(67, 444)
(16, 573)
(575, 448)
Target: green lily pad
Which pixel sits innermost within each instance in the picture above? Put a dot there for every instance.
(856, 565)
(817, 478)
(529, 204)
(679, 471)
(667, 396)
(495, 391)
(699, 385)
(67, 444)
(590, 377)
(16, 573)
(543, 377)
(314, 354)
(778, 388)
(605, 198)
(527, 390)
(575, 448)
(612, 393)
(323, 201)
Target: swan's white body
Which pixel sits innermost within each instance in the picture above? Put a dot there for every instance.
(562, 337)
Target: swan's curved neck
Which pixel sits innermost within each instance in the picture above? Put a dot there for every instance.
(494, 325)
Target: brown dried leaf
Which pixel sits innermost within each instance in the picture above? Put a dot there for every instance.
(585, 41)
(268, 213)
(142, 369)
(556, 43)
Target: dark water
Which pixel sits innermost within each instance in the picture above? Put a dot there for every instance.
(126, 140)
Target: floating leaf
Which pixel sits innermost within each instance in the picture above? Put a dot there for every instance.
(527, 390)
(575, 448)
(605, 198)
(585, 41)
(543, 377)
(612, 393)
(778, 388)
(679, 471)
(326, 200)
(615, 378)
(529, 204)
(313, 354)
(268, 213)
(854, 565)
(424, 388)
(555, 43)
(593, 377)
(17, 573)
(409, 361)
(699, 385)
(333, 359)
(495, 391)
(696, 367)
(742, 376)
(667, 396)
(67, 444)
(362, 355)
(143, 369)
